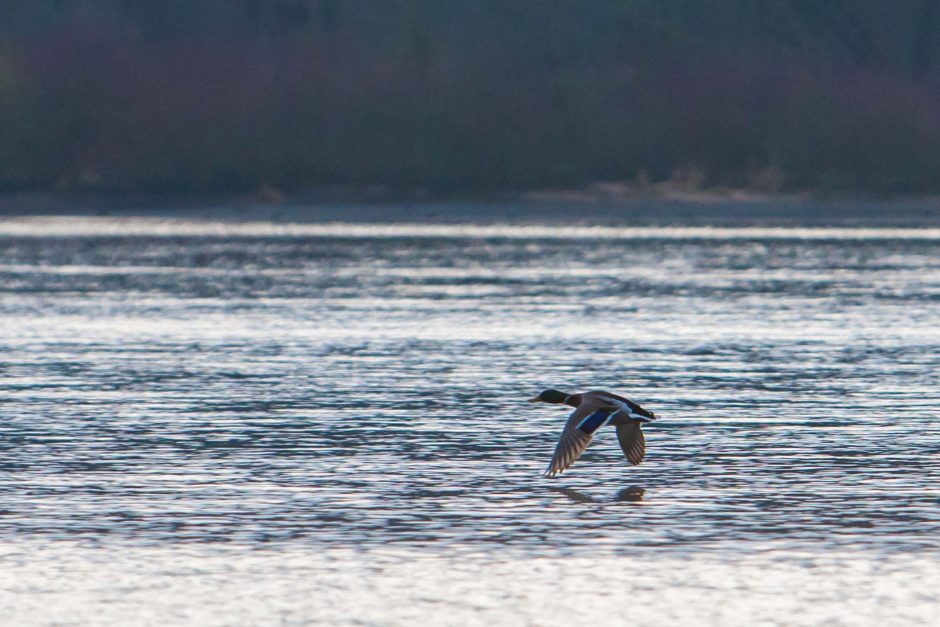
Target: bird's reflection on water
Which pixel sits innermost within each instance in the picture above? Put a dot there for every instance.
(630, 493)
(574, 495)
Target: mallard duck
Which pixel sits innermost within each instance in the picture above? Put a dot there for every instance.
(592, 411)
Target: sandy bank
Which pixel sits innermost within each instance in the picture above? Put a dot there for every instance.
(594, 206)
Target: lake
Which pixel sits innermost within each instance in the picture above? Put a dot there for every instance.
(257, 422)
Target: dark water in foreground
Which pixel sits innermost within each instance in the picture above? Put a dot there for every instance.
(356, 395)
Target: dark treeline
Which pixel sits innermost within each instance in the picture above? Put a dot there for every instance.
(453, 95)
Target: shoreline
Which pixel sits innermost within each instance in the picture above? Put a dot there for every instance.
(611, 204)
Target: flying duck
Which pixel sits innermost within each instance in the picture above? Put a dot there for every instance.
(592, 411)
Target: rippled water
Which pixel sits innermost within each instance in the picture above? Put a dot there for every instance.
(289, 411)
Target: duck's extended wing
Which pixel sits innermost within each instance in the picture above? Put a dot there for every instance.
(578, 433)
(632, 441)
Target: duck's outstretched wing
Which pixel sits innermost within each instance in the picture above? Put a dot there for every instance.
(578, 433)
(570, 446)
(632, 441)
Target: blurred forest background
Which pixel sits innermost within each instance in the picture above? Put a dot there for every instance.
(457, 95)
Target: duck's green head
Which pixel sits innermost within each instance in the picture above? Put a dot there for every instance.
(549, 396)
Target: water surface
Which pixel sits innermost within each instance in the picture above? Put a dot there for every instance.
(336, 411)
